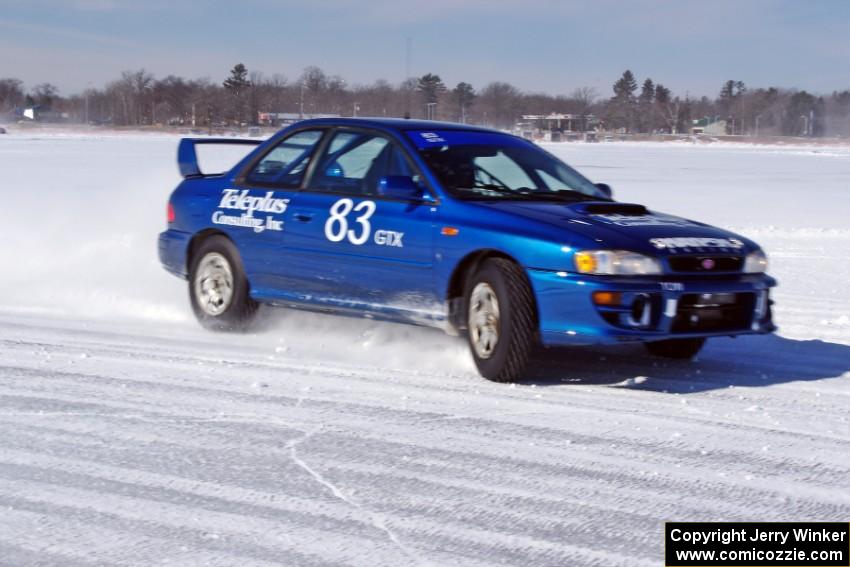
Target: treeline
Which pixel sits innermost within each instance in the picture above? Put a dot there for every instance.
(139, 98)
(760, 111)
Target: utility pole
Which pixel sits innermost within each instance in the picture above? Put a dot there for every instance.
(301, 111)
(430, 110)
(408, 49)
(88, 90)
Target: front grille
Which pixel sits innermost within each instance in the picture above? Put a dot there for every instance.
(706, 264)
(699, 312)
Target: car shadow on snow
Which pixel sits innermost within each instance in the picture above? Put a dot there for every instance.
(749, 361)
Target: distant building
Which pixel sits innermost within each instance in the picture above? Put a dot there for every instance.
(562, 122)
(555, 127)
(710, 126)
(287, 118)
(39, 114)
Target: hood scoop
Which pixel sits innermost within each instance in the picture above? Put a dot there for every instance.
(601, 208)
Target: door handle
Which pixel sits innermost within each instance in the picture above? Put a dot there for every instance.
(303, 217)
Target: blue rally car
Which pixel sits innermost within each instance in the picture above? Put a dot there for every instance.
(477, 231)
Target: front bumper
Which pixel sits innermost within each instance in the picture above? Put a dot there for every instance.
(672, 307)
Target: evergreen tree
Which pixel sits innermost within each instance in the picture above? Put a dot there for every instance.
(729, 94)
(623, 103)
(238, 81)
(236, 85)
(662, 94)
(625, 87)
(430, 86)
(646, 118)
(663, 106)
(647, 92)
(463, 95)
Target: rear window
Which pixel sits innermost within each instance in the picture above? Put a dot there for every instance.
(285, 165)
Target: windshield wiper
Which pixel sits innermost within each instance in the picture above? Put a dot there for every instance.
(522, 192)
(563, 195)
(531, 194)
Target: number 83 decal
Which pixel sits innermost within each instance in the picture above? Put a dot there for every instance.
(337, 226)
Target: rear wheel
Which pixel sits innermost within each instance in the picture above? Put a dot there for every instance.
(501, 320)
(682, 349)
(218, 288)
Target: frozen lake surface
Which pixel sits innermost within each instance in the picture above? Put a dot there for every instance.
(131, 436)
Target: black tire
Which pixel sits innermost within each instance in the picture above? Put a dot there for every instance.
(680, 349)
(235, 314)
(516, 322)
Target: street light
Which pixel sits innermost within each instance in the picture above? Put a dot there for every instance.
(88, 88)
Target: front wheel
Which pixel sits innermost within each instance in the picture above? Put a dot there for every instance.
(501, 320)
(218, 288)
(682, 349)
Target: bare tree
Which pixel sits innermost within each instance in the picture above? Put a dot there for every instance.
(500, 104)
(11, 94)
(584, 98)
(44, 95)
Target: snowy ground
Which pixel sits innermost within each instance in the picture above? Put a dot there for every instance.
(130, 436)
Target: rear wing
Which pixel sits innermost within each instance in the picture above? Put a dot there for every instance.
(187, 157)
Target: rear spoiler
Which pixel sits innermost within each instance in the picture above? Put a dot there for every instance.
(187, 158)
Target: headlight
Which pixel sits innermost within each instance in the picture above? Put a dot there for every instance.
(756, 262)
(615, 263)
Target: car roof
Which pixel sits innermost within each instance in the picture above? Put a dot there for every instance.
(398, 124)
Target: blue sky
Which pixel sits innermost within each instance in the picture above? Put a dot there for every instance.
(538, 45)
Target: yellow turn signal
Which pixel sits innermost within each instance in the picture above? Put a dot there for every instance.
(585, 262)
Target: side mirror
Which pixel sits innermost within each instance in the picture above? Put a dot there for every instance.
(605, 189)
(334, 170)
(400, 187)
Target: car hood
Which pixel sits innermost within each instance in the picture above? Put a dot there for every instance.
(626, 226)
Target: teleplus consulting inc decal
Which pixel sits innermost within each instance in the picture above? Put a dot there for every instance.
(235, 199)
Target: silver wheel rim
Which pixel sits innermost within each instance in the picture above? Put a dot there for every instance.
(484, 320)
(214, 284)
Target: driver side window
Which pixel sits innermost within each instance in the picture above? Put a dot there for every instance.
(355, 162)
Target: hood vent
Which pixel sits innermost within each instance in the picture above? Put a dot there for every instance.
(626, 209)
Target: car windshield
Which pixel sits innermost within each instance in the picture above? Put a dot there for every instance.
(503, 168)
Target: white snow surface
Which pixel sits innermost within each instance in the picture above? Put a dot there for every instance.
(130, 436)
